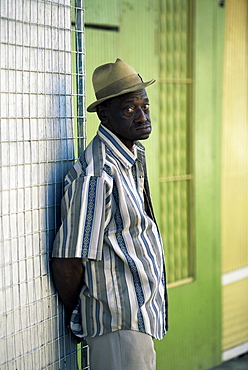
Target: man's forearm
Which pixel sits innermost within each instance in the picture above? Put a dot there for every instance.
(68, 274)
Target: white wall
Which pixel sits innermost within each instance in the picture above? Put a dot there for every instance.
(36, 134)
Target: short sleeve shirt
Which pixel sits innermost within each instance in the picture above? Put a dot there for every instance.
(105, 223)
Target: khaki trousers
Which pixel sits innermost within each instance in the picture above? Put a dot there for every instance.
(122, 350)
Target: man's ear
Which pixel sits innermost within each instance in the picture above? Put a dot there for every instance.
(101, 112)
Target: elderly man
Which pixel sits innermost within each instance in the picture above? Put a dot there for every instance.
(108, 256)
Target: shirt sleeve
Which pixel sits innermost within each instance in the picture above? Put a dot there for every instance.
(83, 219)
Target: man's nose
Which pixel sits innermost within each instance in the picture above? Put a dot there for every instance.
(140, 116)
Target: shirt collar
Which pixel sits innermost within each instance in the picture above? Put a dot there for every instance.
(126, 157)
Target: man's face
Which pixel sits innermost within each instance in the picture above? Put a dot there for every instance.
(128, 117)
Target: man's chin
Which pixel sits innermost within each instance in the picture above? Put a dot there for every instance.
(145, 136)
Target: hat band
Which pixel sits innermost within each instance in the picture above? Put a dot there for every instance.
(117, 86)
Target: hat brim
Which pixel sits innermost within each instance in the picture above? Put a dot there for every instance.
(142, 85)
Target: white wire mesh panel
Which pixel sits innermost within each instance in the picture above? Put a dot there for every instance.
(37, 147)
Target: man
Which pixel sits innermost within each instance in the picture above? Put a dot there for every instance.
(108, 256)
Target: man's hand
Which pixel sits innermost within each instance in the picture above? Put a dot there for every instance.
(68, 274)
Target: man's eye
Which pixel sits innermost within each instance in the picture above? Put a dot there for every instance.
(146, 107)
(129, 109)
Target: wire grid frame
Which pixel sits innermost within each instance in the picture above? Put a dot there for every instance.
(39, 126)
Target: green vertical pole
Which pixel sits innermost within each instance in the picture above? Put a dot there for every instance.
(80, 74)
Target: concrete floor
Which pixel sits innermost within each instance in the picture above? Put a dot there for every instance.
(239, 363)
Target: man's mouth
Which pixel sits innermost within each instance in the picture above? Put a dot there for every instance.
(144, 126)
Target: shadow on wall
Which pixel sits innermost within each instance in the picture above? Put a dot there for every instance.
(58, 146)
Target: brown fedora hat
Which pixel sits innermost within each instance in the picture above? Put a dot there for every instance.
(114, 79)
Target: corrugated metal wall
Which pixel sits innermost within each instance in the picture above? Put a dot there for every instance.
(37, 147)
(235, 182)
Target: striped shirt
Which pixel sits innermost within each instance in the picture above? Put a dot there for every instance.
(107, 223)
